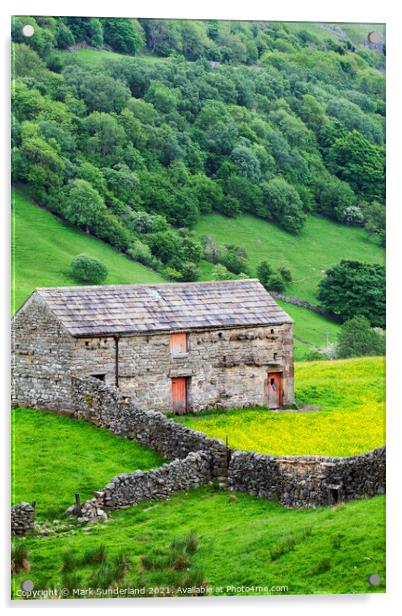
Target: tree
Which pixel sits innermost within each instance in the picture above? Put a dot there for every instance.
(163, 98)
(375, 217)
(264, 273)
(99, 91)
(271, 279)
(87, 29)
(333, 196)
(88, 269)
(64, 36)
(104, 139)
(26, 61)
(360, 163)
(281, 202)
(82, 204)
(352, 288)
(358, 338)
(123, 35)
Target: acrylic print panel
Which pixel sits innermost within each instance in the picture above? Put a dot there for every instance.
(199, 308)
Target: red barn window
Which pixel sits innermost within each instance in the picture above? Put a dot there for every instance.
(178, 344)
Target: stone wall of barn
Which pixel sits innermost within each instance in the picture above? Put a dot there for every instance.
(299, 481)
(224, 368)
(40, 358)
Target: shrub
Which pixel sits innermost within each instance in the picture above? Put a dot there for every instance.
(19, 558)
(271, 279)
(141, 252)
(88, 269)
(220, 272)
(358, 338)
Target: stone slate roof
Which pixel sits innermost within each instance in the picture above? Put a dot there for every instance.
(124, 309)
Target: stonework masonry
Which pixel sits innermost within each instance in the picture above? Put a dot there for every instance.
(22, 518)
(132, 488)
(224, 368)
(299, 481)
(308, 480)
(108, 407)
(41, 359)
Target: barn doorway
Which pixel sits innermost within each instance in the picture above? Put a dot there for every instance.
(274, 390)
(179, 395)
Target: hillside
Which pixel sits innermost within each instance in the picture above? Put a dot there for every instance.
(151, 134)
(136, 129)
(321, 244)
(43, 248)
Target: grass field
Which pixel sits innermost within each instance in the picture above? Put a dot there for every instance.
(97, 56)
(53, 457)
(320, 245)
(242, 541)
(44, 246)
(351, 419)
(310, 330)
(356, 32)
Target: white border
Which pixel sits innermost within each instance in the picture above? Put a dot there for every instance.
(307, 10)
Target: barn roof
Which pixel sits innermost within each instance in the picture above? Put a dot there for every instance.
(139, 308)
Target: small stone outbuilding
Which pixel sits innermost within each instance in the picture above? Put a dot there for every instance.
(179, 347)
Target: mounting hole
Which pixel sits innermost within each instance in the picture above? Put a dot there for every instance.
(374, 37)
(374, 579)
(28, 30)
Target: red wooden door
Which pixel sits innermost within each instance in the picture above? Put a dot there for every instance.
(178, 343)
(179, 395)
(274, 386)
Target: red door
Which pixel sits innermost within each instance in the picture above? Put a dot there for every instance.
(179, 395)
(274, 386)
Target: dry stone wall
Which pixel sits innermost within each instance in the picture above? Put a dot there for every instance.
(294, 481)
(308, 480)
(22, 519)
(108, 407)
(132, 488)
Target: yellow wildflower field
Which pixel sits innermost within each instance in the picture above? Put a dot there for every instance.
(350, 420)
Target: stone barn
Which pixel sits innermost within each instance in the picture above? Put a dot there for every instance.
(179, 347)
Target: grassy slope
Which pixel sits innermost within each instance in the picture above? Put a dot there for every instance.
(321, 244)
(310, 330)
(54, 457)
(356, 32)
(44, 248)
(236, 537)
(351, 394)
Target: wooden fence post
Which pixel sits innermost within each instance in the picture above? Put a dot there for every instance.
(78, 505)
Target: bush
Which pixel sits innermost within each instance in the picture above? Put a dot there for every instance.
(88, 269)
(141, 252)
(273, 280)
(352, 289)
(220, 272)
(358, 338)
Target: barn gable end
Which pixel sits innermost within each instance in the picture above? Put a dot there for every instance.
(41, 357)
